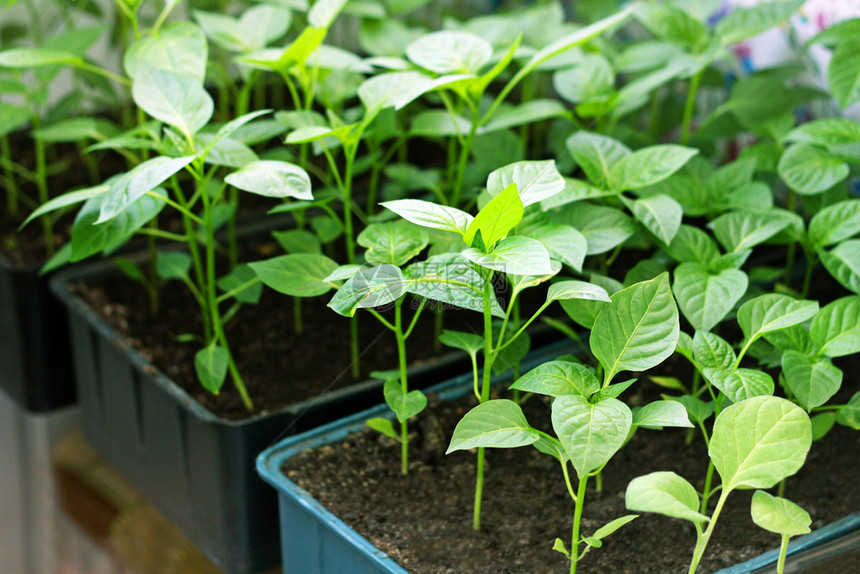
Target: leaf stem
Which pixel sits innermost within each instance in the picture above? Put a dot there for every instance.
(577, 519)
(404, 385)
(689, 107)
(783, 550)
(702, 542)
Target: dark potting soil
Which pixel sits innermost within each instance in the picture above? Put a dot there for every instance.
(423, 521)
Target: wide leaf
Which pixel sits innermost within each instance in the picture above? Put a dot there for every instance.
(659, 414)
(177, 100)
(131, 186)
(706, 298)
(557, 378)
(432, 215)
(296, 274)
(835, 223)
(740, 230)
(498, 423)
(448, 52)
(535, 180)
(590, 433)
(660, 214)
(740, 384)
(514, 255)
(648, 166)
(835, 329)
(779, 515)
(812, 381)
(394, 243)
(772, 312)
(810, 170)
(210, 363)
(664, 493)
(404, 405)
(843, 263)
(271, 178)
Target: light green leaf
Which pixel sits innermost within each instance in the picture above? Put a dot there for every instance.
(660, 214)
(243, 283)
(535, 180)
(743, 23)
(226, 152)
(604, 228)
(297, 274)
(698, 410)
(404, 405)
(383, 426)
(173, 265)
(849, 415)
(71, 198)
(590, 433)
(557, 378)
(532, 111)
(822, 423)
(469, 342)
(692, 245)
(558, 546)
(451, 279)
(514, 255)
(272, 178)
(740, 230)
(323, 12)
(449, 52)
(740, 384)
(711, 350)
(812, 381)
(35, 57)
(596, 154)
(664, 493)
(520, 283)
(497, 423)
(835, 328)
(563, 242)
(830, 133)
(843, 74)
(673, 24)
(843, 263)
(12, 118)
(648, 166)
(428, 214)
(779, 515)
(298, 241)
(179, 47)
(574, 190)
(76, 130)
(759, 441)
(211, 366)
(590, 79)
(584, 312)
(497, 218)
(571, 289)
(398, 89)
(394, 243)
(706, 298)
(835, 223)
(661, 414)
(612, 526)
(174, 99)
(772, 312)
(369, 287)
(810, 170)
(131, 186)
(638, 330)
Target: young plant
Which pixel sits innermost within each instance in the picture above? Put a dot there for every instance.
(756, 443)
(782, 517)
(636, 331)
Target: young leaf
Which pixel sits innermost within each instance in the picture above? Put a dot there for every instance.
(177, 100)
(835, 223)
(743, 23)
(369, 287)
(612, 526)
(297, 274)
(843, 263)
(271, 178)
(450, 279)
(812, 381)
(36, 57)
(772, 312)
(706, 298)
(698, 410)
(404, 405)
(590, 433)
(740, 384)
(497, 423)
(759, 441)
(659, 414)
(469, 342)
(564, 242)
(849, 415)
(638, 330)
(596, 154)
(535, 180)
(394, 243)
(323, 12)
(591, 79)
(692, 245)
(211, 366)
(843, 73)
(660, 214)
(497, 218)
(604, 227)
(664, 493)
(131, 186)
(179, 47)
(557, 378)
(740, 230)
(514, 255)
(397, 89)
(71, 198)
(298, 241)
(431, 215)
(243, 283)
(711, 350)
(558, 546)
(449, 52)
(835, 329)
(648, 166)
(779, 515)
(173, 265)
(570, 289)
(384, 426)
(584, 312)
(809, 170)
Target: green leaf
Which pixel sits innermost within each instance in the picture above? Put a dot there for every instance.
(384, 426)
(532, 111)
(130, 269)
(271, 178)
(706, 298)
(668, 382)
(638, 330)
(613, 525)
(794, 338)
(431, 215)
(570, 289)
(497, 218)
(394, 243)
(297, 274)
(397, 89)
(514, 353)
(664, 493)
(835, 328)
(759, 441)
(692, 245)
(179, 47)
(673, 24)
(131, 186)
(604, 228)
(557, 378)
(12, 118)
(497, 423)
(404, 405)
(71, 198)
(369, 287)
(563, 242)
(583, 311)
(850, 414)
(211, 366)
(698, 410)
(448, 52)
(772, 312)
(298, 241)
(451, 279)
(226, 152)
(843, 74)
(711, 350)
(574, 190)
(173, 265)
(779, 515)
(660, 214)
(740, 230)
(613, 391)
(558, 546)
(243, 282)
(743, 23)
(740, 384)
(590, 79)
(659, 414)
(590, 433)
(323, 12)
(812, 381)
(843, 263)
(831, 133)
(835, 223)
(822, 423)
(76, 130)
(177, 100)
(810, 170)
(648, 166)
(514, 255)
(535, 180)
(35, 57)
(469, 342)
(596, 154)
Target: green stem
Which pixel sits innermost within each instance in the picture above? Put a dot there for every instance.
(780, 491)
(577, 519)
(489, 358)
(702, 542)
(404, 385)
(706, 490)
(783, 550)
(465, 151)
(689, 107)
(42, 186)
(811, 260)
(12, 191)
(792, 248)
(197, 260)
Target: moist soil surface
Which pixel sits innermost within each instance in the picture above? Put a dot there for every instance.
(423, 521)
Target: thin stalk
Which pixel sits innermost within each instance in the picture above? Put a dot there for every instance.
(783, 550)
(197, 260)
(404, 385)
(577, 519)
(689, 107)
(42, 186)
(489, 358)
(791, 205)
(811, 260)
(780, 491)
(438, 327)
(702, 541)
(465, 151)
(706, 490)
(13, 193)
